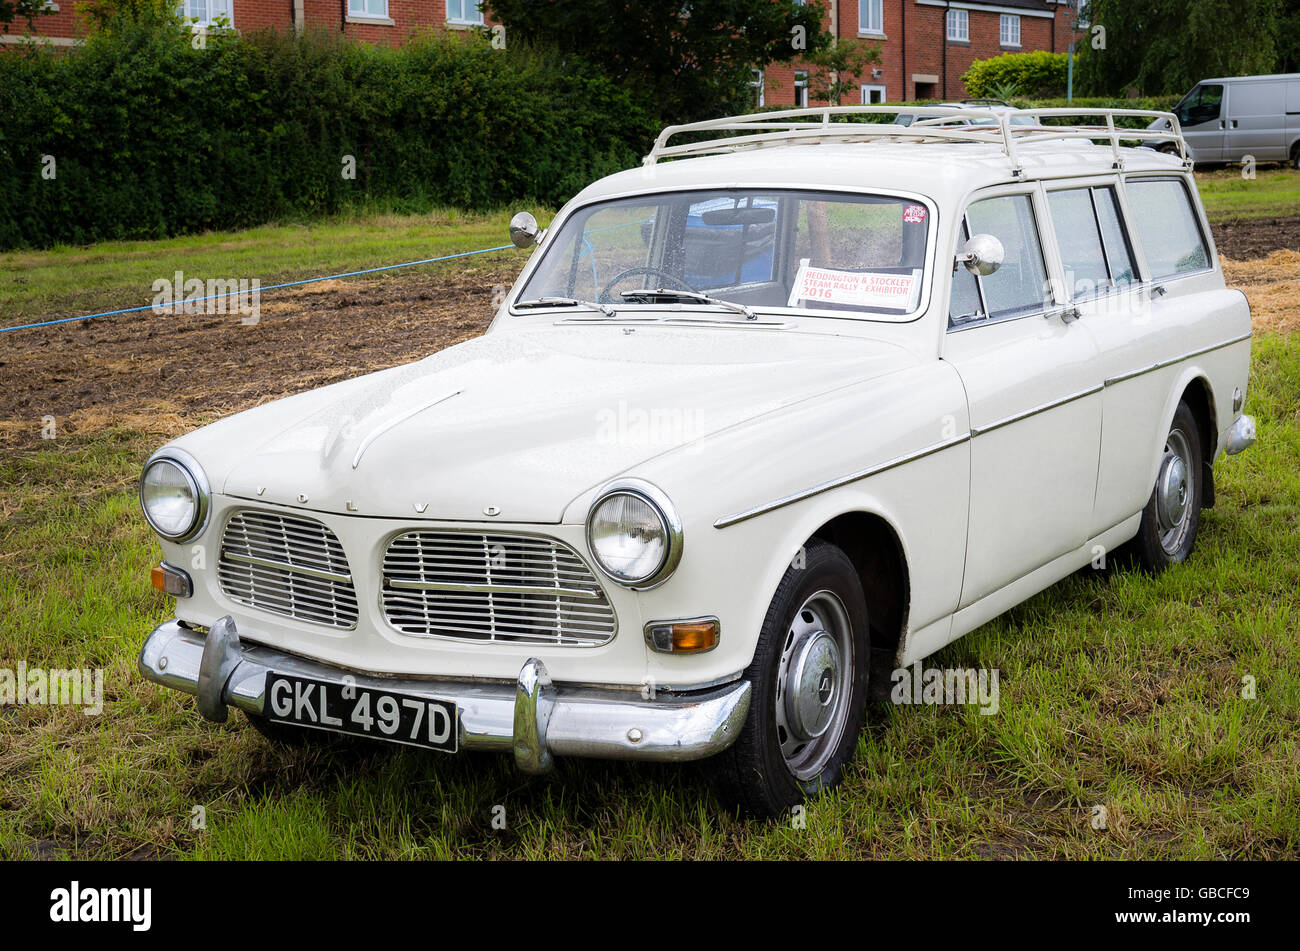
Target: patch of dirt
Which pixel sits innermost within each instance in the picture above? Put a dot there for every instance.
(165, 375)
(1272, 285)
(157, 374)
(1256, 237)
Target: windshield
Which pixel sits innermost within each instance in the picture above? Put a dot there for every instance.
(764, 249)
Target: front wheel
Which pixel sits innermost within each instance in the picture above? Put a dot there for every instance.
(809, 677)
(1173, 513)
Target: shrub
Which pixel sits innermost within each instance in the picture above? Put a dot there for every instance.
(1036, 75)
(151, 137)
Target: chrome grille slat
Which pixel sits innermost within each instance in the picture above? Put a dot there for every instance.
(493, 587)
(288, 565)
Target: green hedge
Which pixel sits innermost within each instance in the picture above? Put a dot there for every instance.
(151, 137)
(1036, 74)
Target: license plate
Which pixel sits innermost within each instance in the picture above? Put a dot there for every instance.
(361, 711)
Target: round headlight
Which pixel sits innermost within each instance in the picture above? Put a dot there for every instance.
(634, 534)
(174, 495)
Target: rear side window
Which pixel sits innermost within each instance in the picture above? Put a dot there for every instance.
(1094, 248)
(1167, 227)
(1019, 286)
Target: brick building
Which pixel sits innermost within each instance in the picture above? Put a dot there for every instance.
(926, 45)
(374, 21)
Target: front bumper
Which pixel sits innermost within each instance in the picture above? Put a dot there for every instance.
(533, 718)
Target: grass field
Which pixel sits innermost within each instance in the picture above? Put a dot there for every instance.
(1117, 689)
(1274, 191)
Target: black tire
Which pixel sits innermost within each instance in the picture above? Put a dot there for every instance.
(1162, 540)
(1295, 156)
(286, 734)
(766, 771)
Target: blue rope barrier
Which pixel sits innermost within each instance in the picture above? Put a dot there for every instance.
(310, 280)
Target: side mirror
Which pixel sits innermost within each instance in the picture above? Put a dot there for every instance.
(523, 230)
(983, 254)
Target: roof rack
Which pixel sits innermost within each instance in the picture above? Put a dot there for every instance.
(932, 124)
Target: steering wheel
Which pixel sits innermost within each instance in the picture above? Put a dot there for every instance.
(605, 297)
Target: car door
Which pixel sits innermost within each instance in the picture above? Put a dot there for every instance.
(1103, 283)
(1201, 116)
(1033, 389)
(1256, 121)
(1175, 310)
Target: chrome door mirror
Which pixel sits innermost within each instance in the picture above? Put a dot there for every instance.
(983, 254)
(523, 230)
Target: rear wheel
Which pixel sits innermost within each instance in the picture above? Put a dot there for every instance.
(809, 677)
(1172, 515)
(1295, 156)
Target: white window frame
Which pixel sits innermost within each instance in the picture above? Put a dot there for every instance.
(758, 81)
(364, 14)
(470, 20)
(801, 88)
(958, 22)
(1009, 29)
(871, 17)
(869, 88)
(183, 8)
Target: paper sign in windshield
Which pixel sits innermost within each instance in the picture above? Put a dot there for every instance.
(855, 288)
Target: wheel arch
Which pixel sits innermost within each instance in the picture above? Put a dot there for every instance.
(1192, 387)
(875, 547)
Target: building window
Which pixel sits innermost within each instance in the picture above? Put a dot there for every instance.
(205, 12)
(756, 85)
(801, 88)
(372, 9)
(959, 26)
(873, 95)
(1010, 34)
(462, 11)
(871, 16)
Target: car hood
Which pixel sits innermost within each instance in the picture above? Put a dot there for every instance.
(518, 423)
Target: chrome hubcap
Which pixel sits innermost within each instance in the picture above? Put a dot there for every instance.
(1175, 486)
(812, 687)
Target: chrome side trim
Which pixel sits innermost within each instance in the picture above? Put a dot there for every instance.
(763, 509)
(385, 427)
(285, 566)
(1007, 421)
(728, 520)
(494, 588)
(1168, 363)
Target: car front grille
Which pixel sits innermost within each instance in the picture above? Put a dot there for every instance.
(501, 588)
(288, 565)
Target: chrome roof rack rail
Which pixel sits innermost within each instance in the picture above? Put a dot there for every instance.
(931, 124)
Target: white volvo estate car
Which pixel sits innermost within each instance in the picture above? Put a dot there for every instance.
(803, 399)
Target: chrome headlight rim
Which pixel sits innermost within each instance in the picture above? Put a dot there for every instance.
(198, 482)
(672, 524)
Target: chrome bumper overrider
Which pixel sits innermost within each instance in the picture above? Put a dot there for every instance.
(1241, 436)
(533, 717)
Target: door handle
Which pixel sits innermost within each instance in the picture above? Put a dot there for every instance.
(1233, 124)
(1068, 315)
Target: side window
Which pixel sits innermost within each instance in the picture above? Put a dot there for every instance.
(1167, 226)
(1094, 248)
(1019, 286)
(1119, 250)
(1201, 105)
(965, 304)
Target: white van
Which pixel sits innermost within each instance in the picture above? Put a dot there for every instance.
(1225, 120)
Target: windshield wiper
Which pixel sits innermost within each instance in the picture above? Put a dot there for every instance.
(672, 292)
(566, 302)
